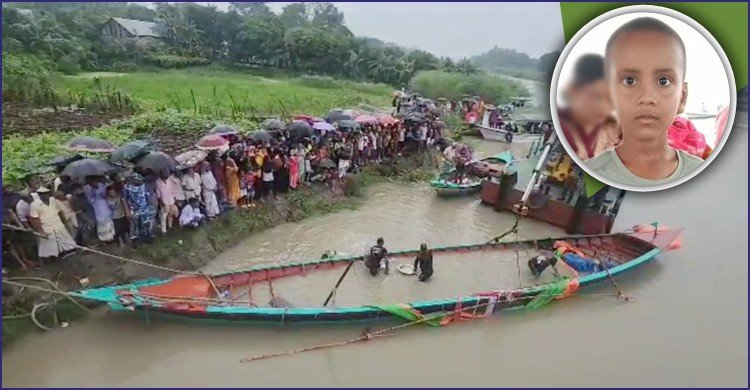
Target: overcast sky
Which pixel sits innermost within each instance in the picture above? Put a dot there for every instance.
(455, 29)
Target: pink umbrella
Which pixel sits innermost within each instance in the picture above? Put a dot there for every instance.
(387, 120)
(366, 119)
(316, 119)
(212, 142)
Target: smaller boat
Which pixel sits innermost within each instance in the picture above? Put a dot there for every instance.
(476, 171)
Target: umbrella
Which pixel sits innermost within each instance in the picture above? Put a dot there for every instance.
(190, 158)
(131, 150)
(348, 124)
(299, 130)
(317, 119)
(387, 120)
(89, 144)
(305, 118)
(366, 119)
(262, 136)
(62, 161)
(157, 162)
(335, 115)
(223, 130)
(273, 124)
(323, 126)
(353, 113)
(415, 117)
(79, 170)
(212, 142)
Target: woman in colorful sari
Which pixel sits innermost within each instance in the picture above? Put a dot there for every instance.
(233, 180)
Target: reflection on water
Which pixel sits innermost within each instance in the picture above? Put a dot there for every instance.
(687, 326)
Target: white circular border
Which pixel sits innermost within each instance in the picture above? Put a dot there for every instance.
(661, 11)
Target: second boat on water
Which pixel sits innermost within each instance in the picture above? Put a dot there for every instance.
(494, 166)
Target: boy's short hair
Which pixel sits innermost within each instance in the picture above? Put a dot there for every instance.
(646, 24)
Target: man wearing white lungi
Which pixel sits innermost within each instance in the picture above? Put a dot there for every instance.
(46, 219)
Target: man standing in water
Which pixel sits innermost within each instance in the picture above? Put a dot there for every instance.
(377, 254)
(424, 263)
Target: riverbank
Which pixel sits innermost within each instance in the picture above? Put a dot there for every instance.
(190, 250)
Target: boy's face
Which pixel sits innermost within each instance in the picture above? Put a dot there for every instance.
(647, 80)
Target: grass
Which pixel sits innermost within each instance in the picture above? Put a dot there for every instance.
(227, 92)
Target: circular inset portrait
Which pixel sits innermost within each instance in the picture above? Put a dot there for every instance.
(642, 98)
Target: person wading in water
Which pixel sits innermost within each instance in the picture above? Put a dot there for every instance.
(377, 254)
(423, 262)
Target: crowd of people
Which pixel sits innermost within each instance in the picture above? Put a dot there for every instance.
(52, 219)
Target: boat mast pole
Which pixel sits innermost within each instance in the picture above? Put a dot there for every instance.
(521, 206)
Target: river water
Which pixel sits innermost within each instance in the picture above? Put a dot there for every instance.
(687, 326)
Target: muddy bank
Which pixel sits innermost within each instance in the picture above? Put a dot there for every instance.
(26, 120)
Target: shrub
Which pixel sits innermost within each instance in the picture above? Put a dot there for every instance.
(26, 79)
(491, 88)
(169, 61)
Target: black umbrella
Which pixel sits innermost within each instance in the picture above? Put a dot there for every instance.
(273, 124)
(157, 162)
(223, 130)
(347, 125)
(79, 170)
(262, 136)
(415, 117)
(89, 144)
(62, 161)
(336, 115)
(299, 130)
(132, 150)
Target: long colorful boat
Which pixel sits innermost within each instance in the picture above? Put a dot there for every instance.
(476, 171)
(206, 296)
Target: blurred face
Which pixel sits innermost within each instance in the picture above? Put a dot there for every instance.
(645, 71)
(591, 102)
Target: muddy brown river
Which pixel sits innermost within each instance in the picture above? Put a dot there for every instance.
(687, 326)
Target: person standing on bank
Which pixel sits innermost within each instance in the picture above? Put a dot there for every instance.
(423, 262)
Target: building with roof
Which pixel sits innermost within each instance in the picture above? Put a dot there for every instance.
(119, 28)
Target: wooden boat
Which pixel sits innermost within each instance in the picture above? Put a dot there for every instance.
(477, 170)
(203, 296)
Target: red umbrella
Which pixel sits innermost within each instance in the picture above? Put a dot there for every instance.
(212, 142)
(305, 118)
(366, 119)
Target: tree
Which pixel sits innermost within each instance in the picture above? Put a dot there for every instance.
(251, 9)
(328, 17)
(295, 15)
(261, 38)
(547, 62)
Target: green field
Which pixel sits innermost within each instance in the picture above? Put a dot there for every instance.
(230, 93)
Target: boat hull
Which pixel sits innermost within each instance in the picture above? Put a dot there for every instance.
(492, 134)
(444, 188)
(554, 212)
(637, 249)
